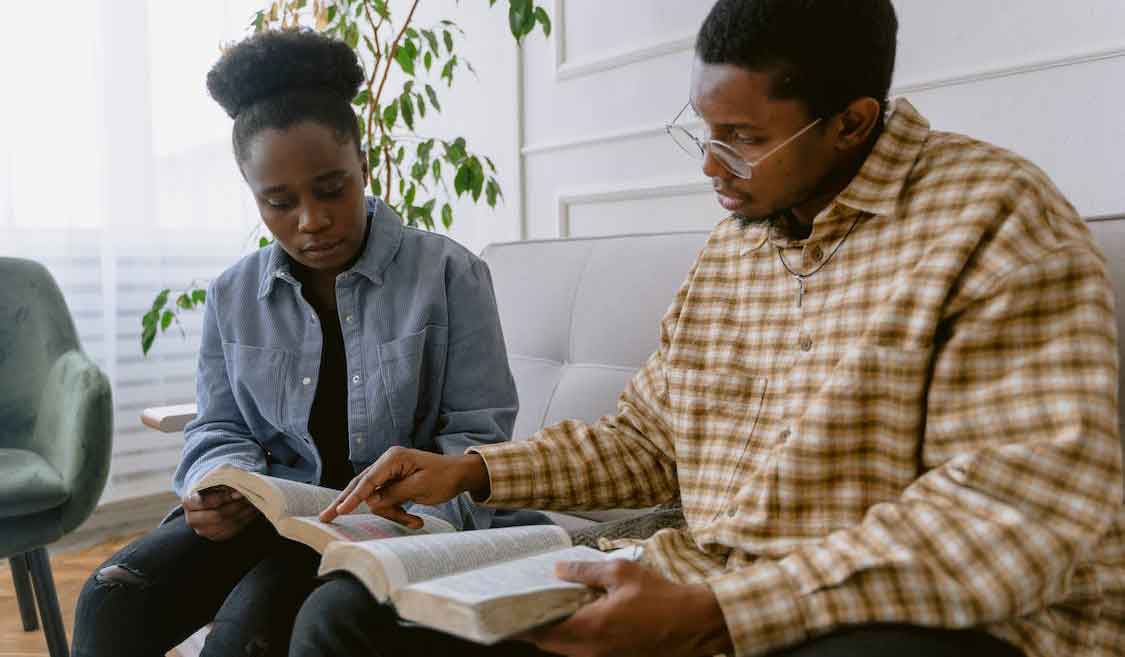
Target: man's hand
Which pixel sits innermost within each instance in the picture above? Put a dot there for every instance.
(410, 475)
(641, 614)
(218, 513)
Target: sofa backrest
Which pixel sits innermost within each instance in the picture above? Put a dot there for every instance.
(580, 316)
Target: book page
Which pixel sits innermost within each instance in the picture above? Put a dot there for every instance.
(511, 578)
(417, 558)
(354, 527)
(304, 499)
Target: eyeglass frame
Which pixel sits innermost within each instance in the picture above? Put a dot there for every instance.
(704, 145)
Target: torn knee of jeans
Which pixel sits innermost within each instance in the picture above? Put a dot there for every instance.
(120, 575)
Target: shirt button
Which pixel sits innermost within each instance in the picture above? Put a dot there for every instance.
(731, 512)
(349, 319)
(806, 343)
(312, 318)
(359, 440)
(355, 379)
(306, 380)
(816, 253)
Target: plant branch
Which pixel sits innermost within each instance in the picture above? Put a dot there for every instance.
(391, 52)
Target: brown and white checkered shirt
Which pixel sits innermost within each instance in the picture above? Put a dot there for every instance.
(930, 438)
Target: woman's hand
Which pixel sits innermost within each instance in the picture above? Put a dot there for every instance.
(218, 513)
(409, 475)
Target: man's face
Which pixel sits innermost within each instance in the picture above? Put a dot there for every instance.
(310, 192)
(736, 106)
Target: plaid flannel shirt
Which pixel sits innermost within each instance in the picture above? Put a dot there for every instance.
(930, 437)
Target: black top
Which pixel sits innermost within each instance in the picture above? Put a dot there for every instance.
(328, 420)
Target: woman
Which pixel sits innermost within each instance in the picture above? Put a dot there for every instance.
(349, 335)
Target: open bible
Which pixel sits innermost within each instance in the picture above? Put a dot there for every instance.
(484, 585)
(292, 508)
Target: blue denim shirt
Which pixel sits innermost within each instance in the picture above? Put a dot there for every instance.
(426, 362)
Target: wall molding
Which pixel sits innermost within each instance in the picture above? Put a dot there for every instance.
(916, 86)
(637, 191)
(998, 72)
(566, 69)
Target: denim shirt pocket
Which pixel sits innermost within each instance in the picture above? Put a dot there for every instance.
(257, 381)
(411, 370)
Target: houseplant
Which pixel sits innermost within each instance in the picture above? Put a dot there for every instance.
(415, 174)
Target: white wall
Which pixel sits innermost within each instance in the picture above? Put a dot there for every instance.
(1041, 77)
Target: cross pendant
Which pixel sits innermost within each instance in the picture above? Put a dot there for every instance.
(800, 290)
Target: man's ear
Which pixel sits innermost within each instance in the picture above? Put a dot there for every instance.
(857, 121)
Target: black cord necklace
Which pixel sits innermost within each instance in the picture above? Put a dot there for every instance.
(799, 277)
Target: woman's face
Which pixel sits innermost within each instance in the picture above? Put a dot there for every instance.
(309, 187)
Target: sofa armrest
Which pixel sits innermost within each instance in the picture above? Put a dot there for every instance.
(168, 419)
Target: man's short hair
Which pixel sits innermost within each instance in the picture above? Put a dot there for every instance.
(825, 53)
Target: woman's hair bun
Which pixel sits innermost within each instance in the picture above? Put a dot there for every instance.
(273, 63)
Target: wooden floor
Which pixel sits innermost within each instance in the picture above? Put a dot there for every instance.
(71, 570)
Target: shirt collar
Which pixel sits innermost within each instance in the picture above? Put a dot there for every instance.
(383, 241)
(877, 186)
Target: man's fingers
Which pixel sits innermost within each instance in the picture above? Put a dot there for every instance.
(330, 513)
(396, 513)
(563, 637)
(595, 574)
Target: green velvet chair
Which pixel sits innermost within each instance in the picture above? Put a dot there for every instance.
(56, 432)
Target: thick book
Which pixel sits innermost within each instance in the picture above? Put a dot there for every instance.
(485, 585)
(293, 507)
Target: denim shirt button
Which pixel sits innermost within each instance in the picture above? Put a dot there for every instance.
(349, 319)
(355, 379)
(306, 381)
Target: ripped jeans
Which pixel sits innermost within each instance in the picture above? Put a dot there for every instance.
(164, 586)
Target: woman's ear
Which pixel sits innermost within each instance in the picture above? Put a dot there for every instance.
(857, 121)
(363, 167)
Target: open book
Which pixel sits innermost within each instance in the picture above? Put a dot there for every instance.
(293, 507)
(484, 585)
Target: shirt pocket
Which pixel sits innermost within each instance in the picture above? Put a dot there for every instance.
(257, 376)
(411, 367)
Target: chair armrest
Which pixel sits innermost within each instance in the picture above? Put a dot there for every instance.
(168, 419)
(74, 432)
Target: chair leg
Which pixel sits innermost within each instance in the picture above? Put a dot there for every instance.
(24, 597)
(48, 602)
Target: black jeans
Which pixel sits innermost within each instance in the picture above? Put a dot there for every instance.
(341, 619)
(171, 582)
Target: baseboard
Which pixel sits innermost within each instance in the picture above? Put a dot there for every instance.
(118, 518)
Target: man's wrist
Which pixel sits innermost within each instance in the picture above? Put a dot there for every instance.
(708, 618)
(474, 476)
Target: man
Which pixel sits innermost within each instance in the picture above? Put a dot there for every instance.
(885, 394)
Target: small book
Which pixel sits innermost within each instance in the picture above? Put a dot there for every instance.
(485, 585)
(293, 507)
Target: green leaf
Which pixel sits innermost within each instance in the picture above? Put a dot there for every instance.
(351, 37)
(263, 242)
(477, 183)
(372, 160)
(411, 33)
(544, 20)
(455, 151)
(408, 198)
(418, 171)
(198, 296)
(400, 154)
(446, 216)
(370, 45)
(404, 60)
(431, 39)
(376, 187)
(380, 7)
(160, 300)
(447, 70)
(149, 319)
(390, 115)
(361, 98)
(433, 97)
(436, 169)
(463, 181)
(492, 190)
(407, 110)
(147, 336)
(428, 60)
(490, 164)
(448, 41)
(521, 17)
(421, 102)
(165, 320)
(184, 301)
(331, 14)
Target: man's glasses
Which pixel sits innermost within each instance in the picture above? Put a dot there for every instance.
(726, 154)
